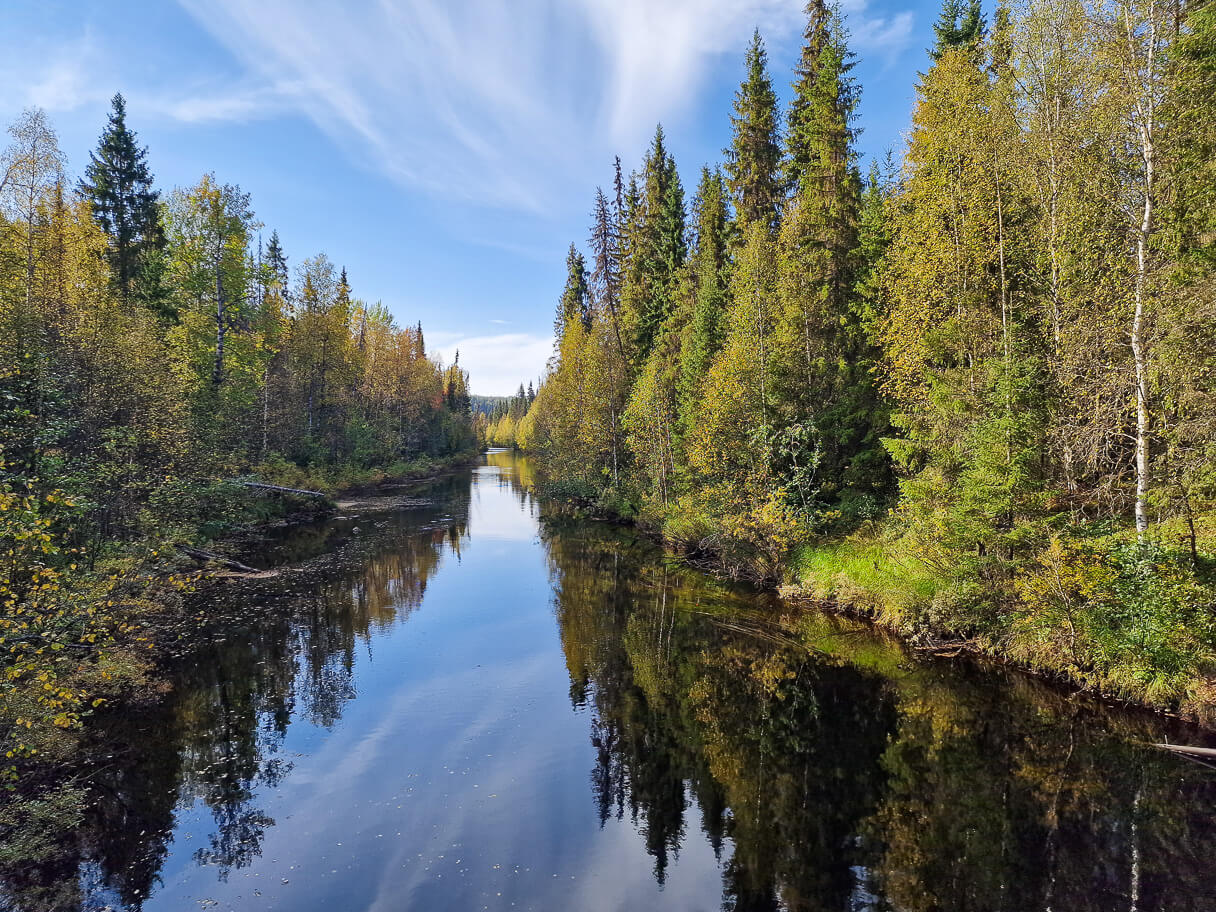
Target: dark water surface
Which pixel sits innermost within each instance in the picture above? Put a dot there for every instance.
(460, 702)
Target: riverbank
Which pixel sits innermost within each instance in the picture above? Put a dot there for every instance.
(185, 606)
(92, 627)
(1097, 610)
(1125, 619)
(442, 698)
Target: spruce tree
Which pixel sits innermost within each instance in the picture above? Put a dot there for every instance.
(118, 184)
(821, 155)
(673, 245)
(823, 108)
(605, 250)
(958, 27)
(754, 158)
(618, 212)
(1192, 114)
(342, 300)
(824, 397)
(711, 276)
(276, 261)
(657, 247)
(573, 304)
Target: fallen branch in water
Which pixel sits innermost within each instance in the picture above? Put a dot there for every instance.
(947, 650)
(1200, 755)
(211, 557)
(262, 486)
(246, 575)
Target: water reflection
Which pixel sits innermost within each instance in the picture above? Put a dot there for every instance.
(722, 750)
(276, 651)
(846, 777)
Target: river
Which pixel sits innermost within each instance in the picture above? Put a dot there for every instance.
(458, 699)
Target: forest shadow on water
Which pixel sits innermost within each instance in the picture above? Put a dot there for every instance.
(395, 722)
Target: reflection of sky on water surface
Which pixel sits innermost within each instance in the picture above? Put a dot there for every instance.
(458, 778)
(463, 706)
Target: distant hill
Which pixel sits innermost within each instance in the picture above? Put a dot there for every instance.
(485, 404)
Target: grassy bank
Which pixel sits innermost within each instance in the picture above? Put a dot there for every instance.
(334, 480)
(1090, 605)
(1128, 619)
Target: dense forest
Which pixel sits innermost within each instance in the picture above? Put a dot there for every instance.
(153, 351)
(970, 392)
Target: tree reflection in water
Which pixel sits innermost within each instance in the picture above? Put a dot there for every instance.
(826, 768)
(842, 774)
(282, 650)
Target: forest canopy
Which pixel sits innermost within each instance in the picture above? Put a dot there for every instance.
(969, 392)
(152, 350)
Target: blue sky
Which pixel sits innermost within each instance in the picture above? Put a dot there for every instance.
(445, 151)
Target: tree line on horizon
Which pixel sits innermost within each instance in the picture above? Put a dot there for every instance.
(972, 393)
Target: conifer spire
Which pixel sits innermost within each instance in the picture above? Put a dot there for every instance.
(118, 183)
(754, 157)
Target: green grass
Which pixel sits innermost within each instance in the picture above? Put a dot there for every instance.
(865, 572)
(1132, 620)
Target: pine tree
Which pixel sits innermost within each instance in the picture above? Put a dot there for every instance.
(118, 183)
(753, 160)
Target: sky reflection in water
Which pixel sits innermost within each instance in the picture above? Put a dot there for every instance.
(461, 706)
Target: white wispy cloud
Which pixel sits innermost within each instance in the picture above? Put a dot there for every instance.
(500, 101)
(497, 364)
(885, 37)
(81, 73)
(239, 103)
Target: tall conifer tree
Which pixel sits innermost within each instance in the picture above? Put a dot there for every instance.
(118, 183)
(605, 285)
(574, 304)
(824, 395)
(657, 246)
(753, 160)
(958, 26)
(711, 278)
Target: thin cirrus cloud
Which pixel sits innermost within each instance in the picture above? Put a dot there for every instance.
(82, 73)
(498, 101)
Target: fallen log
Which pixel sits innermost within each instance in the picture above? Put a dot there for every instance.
(211, 557)
(262, 486)
(240, 575)
(1190, 751)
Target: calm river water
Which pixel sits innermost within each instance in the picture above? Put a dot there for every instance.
(457, 701)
